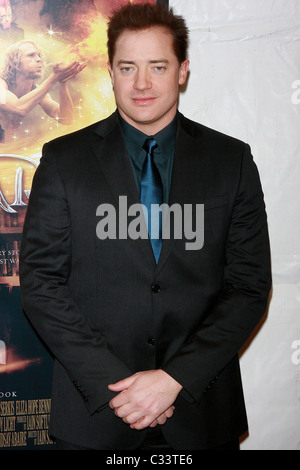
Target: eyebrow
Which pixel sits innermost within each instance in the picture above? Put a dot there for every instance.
(154, 61)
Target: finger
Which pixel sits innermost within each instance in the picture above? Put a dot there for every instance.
(122, 384)
(133, 418)
(67, 69)
(154, 424)
(82, 66)
(57, 65)
(142, 423)
(118, 386)
(161, 419)
(124, 411)
(128, 414)
(70, 66)
(169, 412)
(120, 400)
(164, 416)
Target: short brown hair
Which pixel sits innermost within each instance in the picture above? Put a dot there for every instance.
(142, 16)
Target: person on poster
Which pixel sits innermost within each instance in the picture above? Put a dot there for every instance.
(19, 92)
(5, 15)
(9, 31)
(146, 346)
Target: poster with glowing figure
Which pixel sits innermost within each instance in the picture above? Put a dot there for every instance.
(53, 81)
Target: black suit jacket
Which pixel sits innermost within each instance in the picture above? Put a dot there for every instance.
(106, 310)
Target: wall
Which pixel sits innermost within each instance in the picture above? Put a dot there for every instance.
(245, 81)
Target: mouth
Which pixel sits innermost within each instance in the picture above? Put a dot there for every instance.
(143, 101)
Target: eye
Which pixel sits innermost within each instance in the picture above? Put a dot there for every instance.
(126, 69)
(160, 68)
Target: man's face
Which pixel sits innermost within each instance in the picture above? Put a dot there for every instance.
(146, 77)
(31, 65)
(5, 17)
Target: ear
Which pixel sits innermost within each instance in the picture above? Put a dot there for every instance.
(183, 71)
(111, 73)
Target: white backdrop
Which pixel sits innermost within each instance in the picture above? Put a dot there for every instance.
(245, 81)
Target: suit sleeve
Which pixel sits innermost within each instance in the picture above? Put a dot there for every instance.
(243, 300)
(45, 262)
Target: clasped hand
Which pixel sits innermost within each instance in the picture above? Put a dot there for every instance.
(145, 399)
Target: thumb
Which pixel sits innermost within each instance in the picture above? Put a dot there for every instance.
(122, 384)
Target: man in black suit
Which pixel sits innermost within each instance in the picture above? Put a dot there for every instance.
(146, 338)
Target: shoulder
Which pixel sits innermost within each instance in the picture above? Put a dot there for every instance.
(218, 150)
(84, 136)
(77, 144)
(212, 137)
(68, 142)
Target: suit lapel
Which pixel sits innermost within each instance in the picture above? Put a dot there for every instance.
(186, 175)
(114, 163)
(113, 160)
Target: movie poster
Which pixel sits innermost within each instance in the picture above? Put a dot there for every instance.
(53, 80)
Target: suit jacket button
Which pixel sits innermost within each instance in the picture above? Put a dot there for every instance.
(155, 288)
(151, 342)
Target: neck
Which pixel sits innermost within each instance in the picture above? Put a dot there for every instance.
(151, 127)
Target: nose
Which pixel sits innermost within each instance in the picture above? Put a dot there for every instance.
(142, 80)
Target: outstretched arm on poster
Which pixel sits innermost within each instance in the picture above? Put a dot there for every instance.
(62, 111)
(21, 101)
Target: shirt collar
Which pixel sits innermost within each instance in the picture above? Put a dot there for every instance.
(135, 139)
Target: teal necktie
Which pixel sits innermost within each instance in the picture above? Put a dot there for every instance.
(152, 193)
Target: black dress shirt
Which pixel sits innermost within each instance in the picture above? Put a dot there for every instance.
(163, 153)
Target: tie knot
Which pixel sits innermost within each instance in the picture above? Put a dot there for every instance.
(150, 144)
